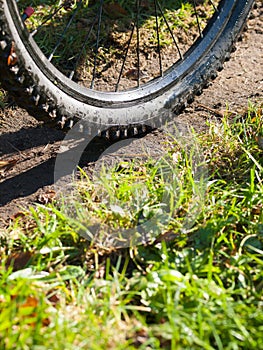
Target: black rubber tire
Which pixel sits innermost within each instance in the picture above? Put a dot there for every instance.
(49, 96)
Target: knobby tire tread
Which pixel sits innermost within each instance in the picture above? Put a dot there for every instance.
(39, 100)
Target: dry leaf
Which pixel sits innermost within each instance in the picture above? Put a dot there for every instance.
(31, 302)
(19, 260)
(114, 10)
(133, 74)
(47, 197)
(19, 214)
(54, 299)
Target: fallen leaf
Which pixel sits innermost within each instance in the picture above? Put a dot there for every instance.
(19, 260)
(54, 299)
(19, 214)
(133, 74)
(47, 197)
(27, 309)
(114, 10)
(30, 302)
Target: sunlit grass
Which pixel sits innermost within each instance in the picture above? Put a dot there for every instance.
(200, 289)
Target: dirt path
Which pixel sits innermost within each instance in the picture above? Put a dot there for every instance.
(34, 146)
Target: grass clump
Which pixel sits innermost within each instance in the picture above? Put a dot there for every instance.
(196, 289)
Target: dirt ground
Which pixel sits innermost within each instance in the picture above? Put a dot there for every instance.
(34, 147)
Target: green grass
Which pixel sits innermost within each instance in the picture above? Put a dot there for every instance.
(196, 290)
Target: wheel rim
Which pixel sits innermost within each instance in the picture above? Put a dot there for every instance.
(145, 88)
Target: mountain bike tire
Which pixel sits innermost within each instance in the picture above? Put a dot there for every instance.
(51, 97)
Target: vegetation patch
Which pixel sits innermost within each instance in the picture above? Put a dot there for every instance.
(200, 289)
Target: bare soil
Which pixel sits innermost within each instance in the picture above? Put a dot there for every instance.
(34, 147)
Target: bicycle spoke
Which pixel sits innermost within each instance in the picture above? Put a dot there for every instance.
(138, 42)
(170, 30)
(65, 31)
(124, 59)
(48, 18)
(116, 46)
(82, 48)
(214, 6)
(197, 18)
(97, 45)
(158, 38)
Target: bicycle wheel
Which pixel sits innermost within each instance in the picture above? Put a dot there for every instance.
(113, 63)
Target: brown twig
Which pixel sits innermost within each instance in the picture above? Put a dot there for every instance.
(216, 112)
